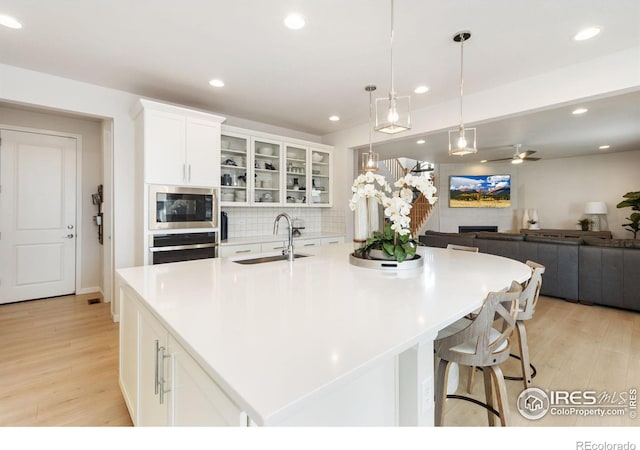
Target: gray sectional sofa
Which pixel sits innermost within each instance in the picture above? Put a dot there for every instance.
(588, 270)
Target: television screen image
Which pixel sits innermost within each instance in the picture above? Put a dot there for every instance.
(480, 191)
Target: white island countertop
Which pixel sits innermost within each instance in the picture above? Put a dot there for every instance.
(279, 334)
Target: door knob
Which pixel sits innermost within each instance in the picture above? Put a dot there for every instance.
(70, 227)
(69, 236)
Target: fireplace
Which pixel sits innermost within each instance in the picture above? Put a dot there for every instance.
(475, 228)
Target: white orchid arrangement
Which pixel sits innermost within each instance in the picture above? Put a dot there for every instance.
(397, 206)
(395, 239)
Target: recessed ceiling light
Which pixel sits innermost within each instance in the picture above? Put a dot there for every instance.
(420, 141)
(604, 147)
(334, 118)
(216, 83)
(10, 22)
(294, 21)
(421, 89)
(585, 34)
(579, 111)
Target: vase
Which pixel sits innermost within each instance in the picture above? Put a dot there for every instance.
(525, 219)
(366, 219)
(361, 221)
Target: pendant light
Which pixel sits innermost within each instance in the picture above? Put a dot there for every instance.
(392, 113)
(463, 140)
(369, 160)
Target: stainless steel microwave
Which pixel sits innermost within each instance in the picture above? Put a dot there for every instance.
(173, 207)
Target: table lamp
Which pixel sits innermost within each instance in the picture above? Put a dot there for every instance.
(595, 209)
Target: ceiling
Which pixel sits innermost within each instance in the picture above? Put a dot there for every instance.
(169, 50)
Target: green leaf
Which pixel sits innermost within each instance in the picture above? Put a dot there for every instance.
(388, 248)
(400, 254)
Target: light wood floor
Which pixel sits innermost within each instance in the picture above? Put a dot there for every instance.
(59, 363)
(573, 347)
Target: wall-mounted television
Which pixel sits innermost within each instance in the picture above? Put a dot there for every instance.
(480, 191)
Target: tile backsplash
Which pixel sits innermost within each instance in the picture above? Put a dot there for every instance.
(248, 222)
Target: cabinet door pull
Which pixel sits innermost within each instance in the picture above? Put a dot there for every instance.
(184, 172)
(243, 251)
(189, 172)
(309, 245)
(162, 378)
(156, 380)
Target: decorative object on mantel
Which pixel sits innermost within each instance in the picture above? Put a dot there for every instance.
(393, 113)
(595, 209)
(525, 219)
(632, 201)
(395, 241)
(533, 221)
(584, 224)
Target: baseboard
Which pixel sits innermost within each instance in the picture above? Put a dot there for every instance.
(89, 290)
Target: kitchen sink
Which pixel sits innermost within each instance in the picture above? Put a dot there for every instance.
(264, 259)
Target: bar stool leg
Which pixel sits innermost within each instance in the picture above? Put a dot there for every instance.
(442, 373)
(524, 354)
(501, 394)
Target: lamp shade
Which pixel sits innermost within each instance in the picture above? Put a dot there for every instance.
(596, 208)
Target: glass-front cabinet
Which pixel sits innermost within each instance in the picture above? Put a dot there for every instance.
(259, 169)
(267, 163)
(320, 177)
(296, 174)
(235, 169)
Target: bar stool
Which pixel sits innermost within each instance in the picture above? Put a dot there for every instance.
(477, 343)
(528, 301)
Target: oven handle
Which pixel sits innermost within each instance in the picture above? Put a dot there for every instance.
(181, 247)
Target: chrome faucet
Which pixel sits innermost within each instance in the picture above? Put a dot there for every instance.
(289, 250)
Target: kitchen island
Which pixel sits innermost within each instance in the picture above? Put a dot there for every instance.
(314, 342)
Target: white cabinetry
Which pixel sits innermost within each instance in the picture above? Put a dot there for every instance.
(161, 382)
(279, 171)
(238, 250)
(180, 146)
(333, 240)
(236, 169)
(153, 382)
(196, 399)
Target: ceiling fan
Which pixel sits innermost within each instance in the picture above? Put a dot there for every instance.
(422, 166)
(518, 157)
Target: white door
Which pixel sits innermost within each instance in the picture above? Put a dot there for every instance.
(38, 220)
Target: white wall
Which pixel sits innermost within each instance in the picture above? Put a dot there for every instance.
(90, 130)
(450, 218)
(560, 188)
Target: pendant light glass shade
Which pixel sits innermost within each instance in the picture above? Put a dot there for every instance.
(393, 113)
(463, 140)
(369, 160)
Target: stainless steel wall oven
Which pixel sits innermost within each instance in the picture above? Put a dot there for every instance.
(174, 247)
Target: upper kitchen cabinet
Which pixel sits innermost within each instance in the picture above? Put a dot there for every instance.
(279, 170)
(296, 157)
(236, 168)
(181, 146)
(321, 176)
(267, 163)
